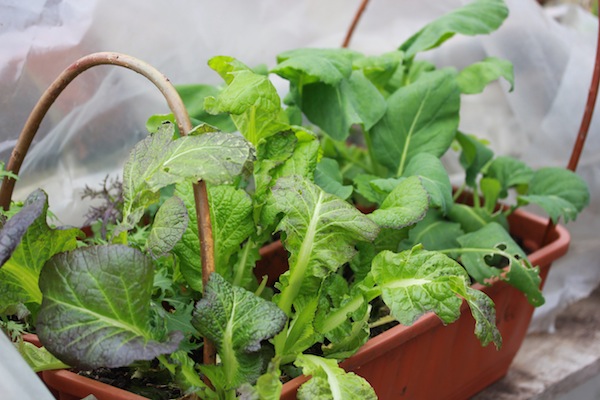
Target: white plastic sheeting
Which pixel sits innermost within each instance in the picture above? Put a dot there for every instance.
(102, 114)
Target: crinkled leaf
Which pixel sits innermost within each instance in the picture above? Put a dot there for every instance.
(321, 231)
(474, 156)
(329, 381)
(231, 218)
(491, 253)
(510, 172)
(405, 205)
(434, 177)
(417, 281)
(310, 65)
(96, 307)
(476, 18)
(237, 322)
(475, 77)
(26, 243)
(560, 192)
(336, 108)
(421, 118)
(170, 222)
(329, 177)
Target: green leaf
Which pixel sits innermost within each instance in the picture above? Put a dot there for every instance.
(321, 231)
(306, 66)
(472, 219)
(380, 69)
(250, 99)
(560, 192)
(421, 118)
(474, 157)
(329, 381)
(237, 322)
(170, 222)
(474, 78)
(435, 232)
(434, 177)
(484, 313)
(159, 161)
(193, 97)
(405, 205)
(329, 177)
(491, 189)
(479, 17)
(364, 185)
(232, 224)
(490, 253)
(96, 308)
(39, 358)
(510, 172)
(417, 281)
(26, 243)
(336, 108)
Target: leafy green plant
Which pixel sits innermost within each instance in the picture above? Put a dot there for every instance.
(292, 172)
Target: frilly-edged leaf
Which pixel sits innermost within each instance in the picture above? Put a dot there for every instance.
(26, 243)
(336, 108)
(434, 177)
(329, 381)
(320, 231)
(474, 156)
(310, 65)
(237, 322)
(329, 177)
(560, 192)
(231, 217)
(510, 172)
(96, 308)
(421, 117)
(472, 219)
(169, 224)
(405, 205)
(417, 281)
(474, 78)
(434, 232)
(476, 18)
(490, 253)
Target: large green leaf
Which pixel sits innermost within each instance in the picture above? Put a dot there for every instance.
(320, 232)
(329, 381)
(250, 99)
(310, 65)
(421, 118)
(237, 322)
(159, 161)
(405, 205)
(26, 243)
(476, 18)
(560, 192)
(475, 77)
(490, 253)
(232, 224)
(434, 177)
(96, 308)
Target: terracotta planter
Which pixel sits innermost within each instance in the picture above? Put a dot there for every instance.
(424, 361)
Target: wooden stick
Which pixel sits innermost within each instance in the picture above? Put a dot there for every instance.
(357, 16)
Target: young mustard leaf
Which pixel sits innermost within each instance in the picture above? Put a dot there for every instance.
(490, 189)
(405, 205)
(560, 192)
(510, 172)
(320, 232)
(26, 243)
(421, 118)
(237, 322)
(474, 157)
(380, 69)
(231, 217)
(417, 281)
(434, 177)
(434, 232)
(169, 224)
(96, 308)
(491, 253)
(329, 177)
(39, 358)
(306, 66)
(336, 108)
(364, 186)
(329, 381)
(193, 97)
(472, 219)
(479, 17)
(474, 78)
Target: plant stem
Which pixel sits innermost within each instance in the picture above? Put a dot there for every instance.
(183, 122)
(372, 159)
(357, 16)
